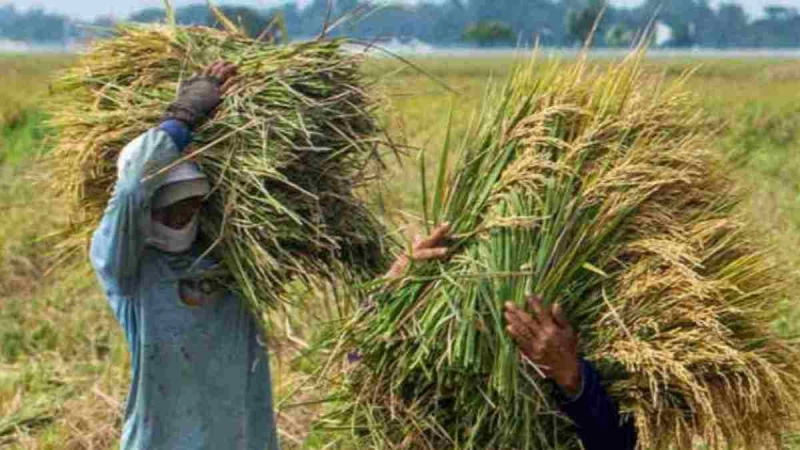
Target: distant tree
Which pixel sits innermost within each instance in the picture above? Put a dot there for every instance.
(101, 27)
(34, 25)
(777, 29)
(449, 22)
(248, 19)
(104, 22)
(489, 33)
(779, 13)
(148, 15)
(733, 24)
(619, 36)
(291, 16)
(197, 14)
(682, 35)
(581, 22)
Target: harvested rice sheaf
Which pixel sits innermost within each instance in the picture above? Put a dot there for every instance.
(286, 152)
(594, 188)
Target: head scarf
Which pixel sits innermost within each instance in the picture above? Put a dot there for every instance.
(184, 181)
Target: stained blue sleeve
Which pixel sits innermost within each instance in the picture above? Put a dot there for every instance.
(178, 131)
(596, 416)
(119, 241)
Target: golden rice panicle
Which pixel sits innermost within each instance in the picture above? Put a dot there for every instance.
(287, 151)
(593, 187)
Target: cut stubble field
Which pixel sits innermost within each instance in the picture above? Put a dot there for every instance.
(64, 367)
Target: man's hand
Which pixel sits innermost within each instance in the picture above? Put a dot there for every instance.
(200, 95)
(547, 340)
(423, 250)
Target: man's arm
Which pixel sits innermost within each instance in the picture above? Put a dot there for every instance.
(547, 340)
(596, 416)
(118, 243)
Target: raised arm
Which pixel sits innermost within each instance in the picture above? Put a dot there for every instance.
(119, 241)
(547, 340)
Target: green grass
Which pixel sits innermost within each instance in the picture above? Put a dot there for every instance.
(23, 137)
(59, 342)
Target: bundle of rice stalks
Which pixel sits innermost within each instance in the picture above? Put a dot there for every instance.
(286, 152)
(593, 188)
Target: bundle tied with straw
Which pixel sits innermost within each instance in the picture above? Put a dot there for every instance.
(595, 189)
(286, 153)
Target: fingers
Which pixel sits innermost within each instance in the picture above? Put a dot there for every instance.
(545, 339)
(429, 253)
(521, 320)
(513, 324)
(217, 70)
(397, 268)
(209, 70)
(558, 316)
(226, 72)
(227, 85)
(437, 237)
(422, 250)
(542, 314)
(519, 330)
(221, 70)
(522, 330)
(519, 335)
(431, 248)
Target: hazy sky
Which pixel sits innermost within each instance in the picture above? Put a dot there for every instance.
(121, 8)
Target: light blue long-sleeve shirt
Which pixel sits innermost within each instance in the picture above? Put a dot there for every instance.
(200, 377)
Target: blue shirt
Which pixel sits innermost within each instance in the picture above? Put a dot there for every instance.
(200, 374)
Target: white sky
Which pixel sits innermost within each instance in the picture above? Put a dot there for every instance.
(88, 9)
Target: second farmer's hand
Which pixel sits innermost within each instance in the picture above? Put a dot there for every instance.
(434, 247)
(546, 339)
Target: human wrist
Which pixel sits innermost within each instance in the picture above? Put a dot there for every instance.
(183, 114)
(571, 379)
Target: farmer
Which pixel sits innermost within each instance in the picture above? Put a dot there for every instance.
(546, 339)
(201, 375)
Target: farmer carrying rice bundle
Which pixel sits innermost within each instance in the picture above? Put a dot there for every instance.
(201, 375)
(288, 155)
(200, 372)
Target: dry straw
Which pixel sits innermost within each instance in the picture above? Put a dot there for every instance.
(286, 153)
(595, 189)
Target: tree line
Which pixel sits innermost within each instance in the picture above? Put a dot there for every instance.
(457, 22)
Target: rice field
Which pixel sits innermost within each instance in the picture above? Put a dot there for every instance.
(63, 361)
